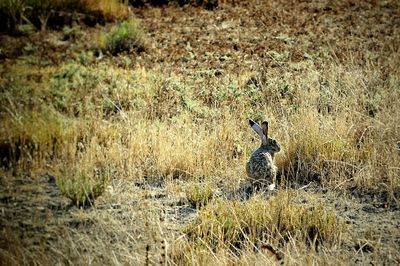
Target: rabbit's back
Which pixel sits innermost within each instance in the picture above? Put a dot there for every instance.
(261, 166)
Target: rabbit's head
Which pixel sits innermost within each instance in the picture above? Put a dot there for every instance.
(273, 145)
(269, 143)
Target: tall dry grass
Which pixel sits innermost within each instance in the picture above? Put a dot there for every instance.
(336, 121)
(337, 125)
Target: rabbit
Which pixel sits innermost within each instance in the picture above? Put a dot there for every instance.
(261, 168)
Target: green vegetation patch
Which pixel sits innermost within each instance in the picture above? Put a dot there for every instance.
(199, 194)
(83, 183)
(126, 36)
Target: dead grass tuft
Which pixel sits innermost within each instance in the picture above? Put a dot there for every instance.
(256, 224)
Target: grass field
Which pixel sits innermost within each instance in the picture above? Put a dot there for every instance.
(126, 142)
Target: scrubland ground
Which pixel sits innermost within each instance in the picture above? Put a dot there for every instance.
(159, 124)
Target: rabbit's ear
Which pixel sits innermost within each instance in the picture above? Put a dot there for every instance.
(256, 127)
(264, 126)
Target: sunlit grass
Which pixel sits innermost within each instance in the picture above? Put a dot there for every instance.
(20, 14)
(233, 228)
(164, 129)
(93, 124)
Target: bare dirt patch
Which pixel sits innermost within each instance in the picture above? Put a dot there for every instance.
(37, 219)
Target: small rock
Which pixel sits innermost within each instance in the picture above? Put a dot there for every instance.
(183, 59)
(369, 208)
(115, 206)
(352, 217)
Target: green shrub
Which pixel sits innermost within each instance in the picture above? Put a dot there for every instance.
(126, 36)
(199, 194)
(26, 29)
(82, 184)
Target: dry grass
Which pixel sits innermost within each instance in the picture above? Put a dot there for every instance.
(127, 127)
(112, 10)
(42, 14)
(235, 228)
(162, 128)
(150, 126)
